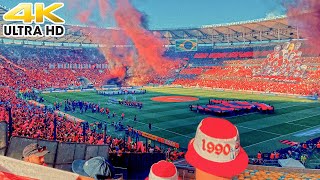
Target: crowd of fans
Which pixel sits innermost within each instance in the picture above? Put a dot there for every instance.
(284, 70)
(195, 71)
(35, 68)
(31, 57)
(300, 151)
(37, 64)
(243, 75)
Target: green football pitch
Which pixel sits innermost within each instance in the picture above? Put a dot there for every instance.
(294, 119)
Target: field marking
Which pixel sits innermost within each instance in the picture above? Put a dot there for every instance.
(287, 134)
(276, 120)
(312, 163)
(316, 156)
(303, 119)
(161, 128)
(298, 124)
(259, 130)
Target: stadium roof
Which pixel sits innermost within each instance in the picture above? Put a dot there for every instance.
(249, 31)
(274, 29)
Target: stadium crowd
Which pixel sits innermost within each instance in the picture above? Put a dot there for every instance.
(26, 67)
(298, 151)
(284, 70)
(36, 67)
(242, 77)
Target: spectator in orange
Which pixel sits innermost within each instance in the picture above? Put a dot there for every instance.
(318, 146)
(259, 155)
(163, 170)
(304, 146)
(34, 153)
(215, 151)
(122, 116)
(272, 155)
(277, 155)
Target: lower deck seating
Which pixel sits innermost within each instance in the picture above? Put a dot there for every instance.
(269, 75)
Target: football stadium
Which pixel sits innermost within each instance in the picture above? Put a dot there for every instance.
(233, 100)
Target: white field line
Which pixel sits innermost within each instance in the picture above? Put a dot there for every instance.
(287, 134)
(259, 130)
(162, 129)
(299, 125)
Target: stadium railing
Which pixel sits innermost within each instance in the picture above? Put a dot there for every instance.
(138, 164)
(61, 155)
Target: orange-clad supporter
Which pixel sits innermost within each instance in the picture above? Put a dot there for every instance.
(277, 155)
(318, 146)
(34, 153)
(272, 156)
(259, 155)
(100, 142)
(163, 170)
(91, 139)
(215, 151)
(304, 146)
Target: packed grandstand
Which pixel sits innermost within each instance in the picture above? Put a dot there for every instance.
(264, 56)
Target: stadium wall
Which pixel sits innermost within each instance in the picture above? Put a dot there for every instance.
(61, 155)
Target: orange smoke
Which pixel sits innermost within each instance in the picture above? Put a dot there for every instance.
(305, 14)
(143, 60)
(86, 9)
(150, 49)
(104, 8)
(119, 72)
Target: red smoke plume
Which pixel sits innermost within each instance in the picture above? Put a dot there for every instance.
(144, 61)
(104, 8)
(86, 9)
(305, 14)
(150, 49)
(117, 57)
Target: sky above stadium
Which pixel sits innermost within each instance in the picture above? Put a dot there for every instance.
(175, 13)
